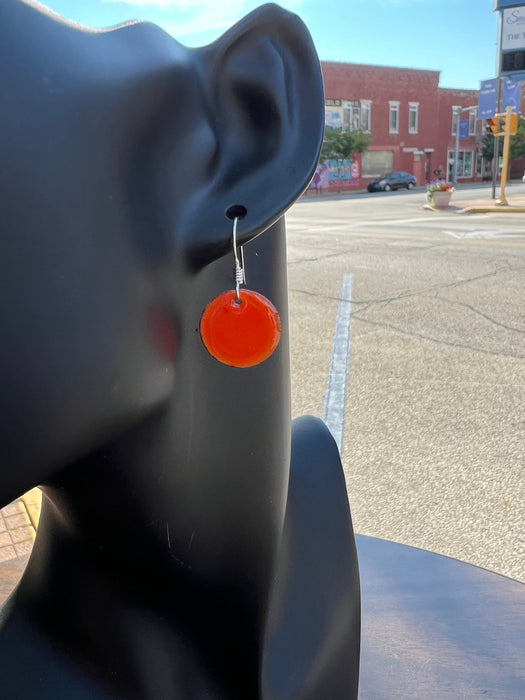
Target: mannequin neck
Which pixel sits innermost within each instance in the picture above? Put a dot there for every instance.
(121, 568)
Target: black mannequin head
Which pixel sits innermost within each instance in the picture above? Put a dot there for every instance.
(123, 154)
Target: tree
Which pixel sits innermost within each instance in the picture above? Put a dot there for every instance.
(517, 142)
(516, 147)
(341, 144)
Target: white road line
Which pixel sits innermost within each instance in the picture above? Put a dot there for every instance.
(334, 404)
(488, 234)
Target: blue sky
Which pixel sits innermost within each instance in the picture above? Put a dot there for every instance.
(458, 37)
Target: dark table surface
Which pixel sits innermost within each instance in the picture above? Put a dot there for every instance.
(433, 627)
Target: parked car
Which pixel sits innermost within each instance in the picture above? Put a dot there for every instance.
(392, 181)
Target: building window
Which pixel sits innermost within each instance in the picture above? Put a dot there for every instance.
(366, 109)
(355, 118)
(352, 115)
(479, 165)
(393, 125)
(376, 163)
(413, 114)
(332, 118)
(455, 109)
(472, 119)
(465, 164)
(348, 114)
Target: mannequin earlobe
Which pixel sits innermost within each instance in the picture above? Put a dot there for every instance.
(264, 92)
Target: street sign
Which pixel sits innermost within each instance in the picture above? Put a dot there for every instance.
(502, 4)
(463, 130)
(512, 35)
(488, 98)
(512, 41)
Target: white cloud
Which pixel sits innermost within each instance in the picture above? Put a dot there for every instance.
(189, 5)
(184, 18)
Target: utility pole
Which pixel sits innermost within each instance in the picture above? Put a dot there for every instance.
(510, 125)
(457, 117)
(495, 153)
(510, 63)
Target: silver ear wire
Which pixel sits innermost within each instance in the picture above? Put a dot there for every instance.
(240, 277)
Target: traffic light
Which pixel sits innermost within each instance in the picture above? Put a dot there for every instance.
(493, 125)
(510, 124)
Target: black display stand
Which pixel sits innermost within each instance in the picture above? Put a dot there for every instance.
(192, 543)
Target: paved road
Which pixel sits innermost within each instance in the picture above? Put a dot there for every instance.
(434, 415)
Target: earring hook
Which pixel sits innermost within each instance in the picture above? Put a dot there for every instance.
(240, 277)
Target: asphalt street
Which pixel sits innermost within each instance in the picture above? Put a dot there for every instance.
(433, 417)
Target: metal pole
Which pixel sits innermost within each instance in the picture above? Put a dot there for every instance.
(456, 149)
(502, 201)
(495, 159)
(495, 154)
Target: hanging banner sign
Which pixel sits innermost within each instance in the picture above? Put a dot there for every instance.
(511, 95)
(488, 98)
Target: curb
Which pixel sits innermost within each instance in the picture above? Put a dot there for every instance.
(509, 209)
(483, 209)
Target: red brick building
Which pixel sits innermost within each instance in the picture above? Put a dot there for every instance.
(411, 120)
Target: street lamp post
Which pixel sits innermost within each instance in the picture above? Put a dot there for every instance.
(495, 152)
(457, 116)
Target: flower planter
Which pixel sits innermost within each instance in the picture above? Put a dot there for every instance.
(441, 199)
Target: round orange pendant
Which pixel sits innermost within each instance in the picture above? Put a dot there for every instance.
(240, 333)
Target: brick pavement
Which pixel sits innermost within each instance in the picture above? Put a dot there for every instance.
(18, 523)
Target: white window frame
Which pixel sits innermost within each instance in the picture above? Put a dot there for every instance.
(455, 108)
(393, 109)
(366, 108)
(413, 108)
(461, 162)
(351, 115)
(472, 121)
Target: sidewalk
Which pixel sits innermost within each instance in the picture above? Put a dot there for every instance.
(515, 194)
(18, 523)
(516, 205)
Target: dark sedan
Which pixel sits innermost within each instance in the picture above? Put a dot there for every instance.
(392, 181)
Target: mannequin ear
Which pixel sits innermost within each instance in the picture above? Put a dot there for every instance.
(264, 93)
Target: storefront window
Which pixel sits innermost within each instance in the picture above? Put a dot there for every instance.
(377, 163)
(465, 164)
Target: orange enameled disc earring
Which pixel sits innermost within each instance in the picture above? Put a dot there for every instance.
(240, 328)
